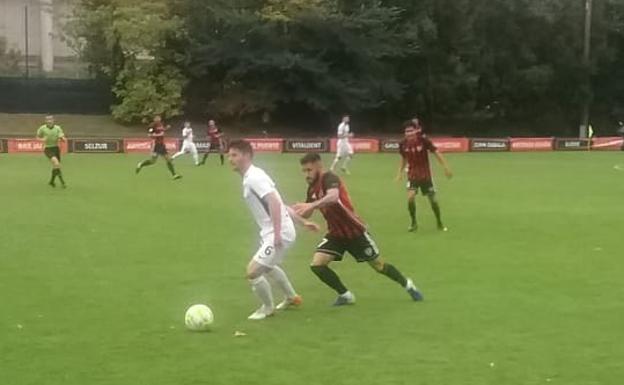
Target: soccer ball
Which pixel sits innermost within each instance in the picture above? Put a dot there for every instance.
(198, 318)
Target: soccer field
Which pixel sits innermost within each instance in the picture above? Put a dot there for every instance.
(525, 288)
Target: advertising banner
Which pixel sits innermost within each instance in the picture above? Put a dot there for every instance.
(571, 144)
(451, 144)
(94, 146)
(389, 145)
(29, 146)
(613, 143)
(443, 144)
(266, 144)
(531, 144)
(203, 146)
(3, 147)
(358, 144)
(133, 145)
(489, 144)
(306, 145)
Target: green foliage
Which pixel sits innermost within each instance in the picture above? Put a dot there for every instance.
(285, 52)
(145, 89)
(508, 60)
(128, 42)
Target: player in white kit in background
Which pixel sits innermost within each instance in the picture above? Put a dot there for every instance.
(277, 231)
(343, 147)
(188, 145)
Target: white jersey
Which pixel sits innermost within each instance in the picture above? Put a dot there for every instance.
(343, 147)
(187, 134)
(343, 132)
(256, 186)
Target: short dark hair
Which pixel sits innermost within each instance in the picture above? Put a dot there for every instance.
(407, 124)
(312, 157)
(242, 146)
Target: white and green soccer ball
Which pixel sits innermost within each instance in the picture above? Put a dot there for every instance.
(198, 318)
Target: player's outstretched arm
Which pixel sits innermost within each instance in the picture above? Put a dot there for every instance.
(306, 209)
(442, 161)
(312, 226)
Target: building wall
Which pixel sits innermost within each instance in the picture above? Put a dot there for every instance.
(12, 26)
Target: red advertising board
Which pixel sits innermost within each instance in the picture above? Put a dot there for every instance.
(132, 145)
(613, 143)
(531, 144)
(29, 146)
(266, 144)
(358, 144)
(451, 144)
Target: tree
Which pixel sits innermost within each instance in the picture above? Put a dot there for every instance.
(497, 63)
(300, 52)
(128, 43)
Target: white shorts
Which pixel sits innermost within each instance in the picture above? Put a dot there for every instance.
(343, 148)
(188, 147)
(268, 256)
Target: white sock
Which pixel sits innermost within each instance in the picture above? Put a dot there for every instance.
(280, 277)
(196, 157)
(177, 154)
(260, 286)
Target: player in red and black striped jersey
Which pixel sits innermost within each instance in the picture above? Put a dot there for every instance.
(217, 141)
(346, 231)
(157, 130)
(414, 150)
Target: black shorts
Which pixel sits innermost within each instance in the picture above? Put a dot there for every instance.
(215, 146)
(52, 152)
(160, 149)
(426, 186)
(362, 248)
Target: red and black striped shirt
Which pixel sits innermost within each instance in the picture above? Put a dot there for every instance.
(158, 129)
(416, 155)
(342, 222)
(214, 134)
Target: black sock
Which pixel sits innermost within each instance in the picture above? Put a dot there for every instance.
(170, 167)
(411, 207)
(436, 210)
(329, 277)
(204, 158)
(53, 177)
(60, 175)
(391, 272)
(146, 162)
(222, 159)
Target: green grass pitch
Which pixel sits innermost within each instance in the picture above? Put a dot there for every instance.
(526, 288)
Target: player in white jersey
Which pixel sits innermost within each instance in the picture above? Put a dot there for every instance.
(277, 231)
(343, 147)
(188, 145)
